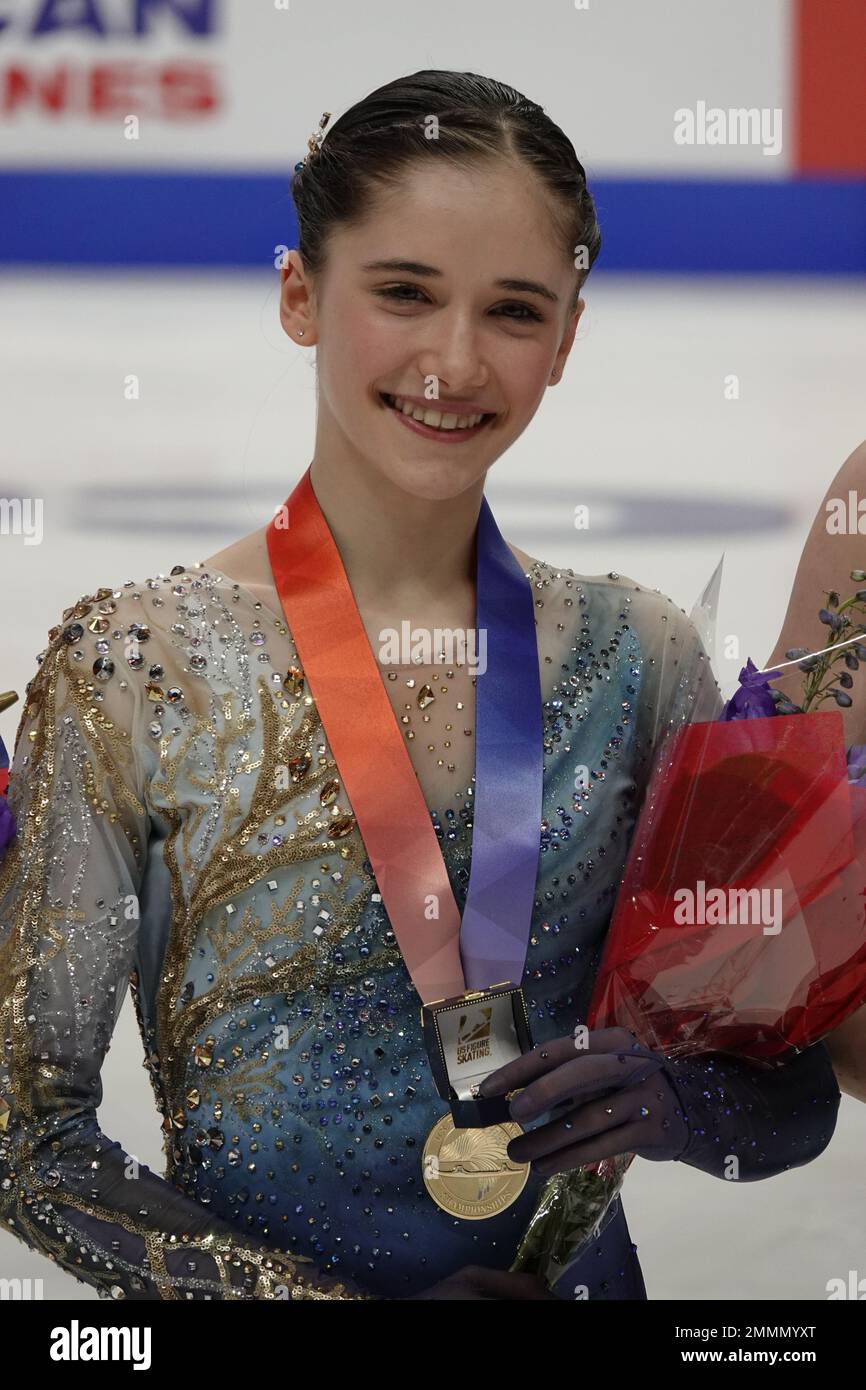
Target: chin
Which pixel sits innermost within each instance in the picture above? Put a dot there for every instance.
(434, 482)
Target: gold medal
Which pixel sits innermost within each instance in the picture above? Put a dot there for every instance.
(468, 1172)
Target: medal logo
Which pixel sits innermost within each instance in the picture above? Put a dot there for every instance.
(473, 1036)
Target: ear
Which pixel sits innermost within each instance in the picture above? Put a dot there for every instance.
(297, 313)
(565, 346)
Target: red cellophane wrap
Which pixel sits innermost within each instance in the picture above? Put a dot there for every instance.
(757, 806)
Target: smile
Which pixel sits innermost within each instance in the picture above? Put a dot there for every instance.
(436, 424)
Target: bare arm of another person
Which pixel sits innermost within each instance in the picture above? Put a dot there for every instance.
(826, 564)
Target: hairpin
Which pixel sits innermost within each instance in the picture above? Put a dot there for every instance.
(314, 143)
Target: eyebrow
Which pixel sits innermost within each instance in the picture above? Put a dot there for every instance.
(430, 271)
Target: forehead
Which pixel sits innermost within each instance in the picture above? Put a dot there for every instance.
(495, 215)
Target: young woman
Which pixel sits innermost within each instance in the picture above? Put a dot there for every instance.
(187, 823)
(829, 555)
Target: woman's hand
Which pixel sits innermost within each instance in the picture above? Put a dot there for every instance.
(475, 1283)
(610, 1096)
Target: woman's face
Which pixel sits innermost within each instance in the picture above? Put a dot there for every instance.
(440, 324)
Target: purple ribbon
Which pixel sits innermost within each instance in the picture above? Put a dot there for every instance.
(509, 769)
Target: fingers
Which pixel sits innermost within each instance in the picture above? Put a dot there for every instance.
(527, 1067)
(586, 1122)
(622, 1140)
(547, 1056)
(580, 1080)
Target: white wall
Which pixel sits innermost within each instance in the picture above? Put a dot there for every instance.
(612, 75)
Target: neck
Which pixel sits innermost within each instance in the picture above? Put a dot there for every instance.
(398, 549)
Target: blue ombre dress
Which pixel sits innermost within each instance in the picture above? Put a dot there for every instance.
(183, 827)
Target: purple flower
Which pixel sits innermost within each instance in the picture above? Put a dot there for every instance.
(8, 827)
(857, 764)
(754, 699)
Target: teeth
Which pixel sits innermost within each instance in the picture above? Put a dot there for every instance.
(435, 418)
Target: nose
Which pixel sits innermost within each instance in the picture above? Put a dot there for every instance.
(452, 355)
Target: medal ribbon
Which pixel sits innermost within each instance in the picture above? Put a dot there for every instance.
(443, 957)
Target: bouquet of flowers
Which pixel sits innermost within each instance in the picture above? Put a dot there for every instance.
(740, 926)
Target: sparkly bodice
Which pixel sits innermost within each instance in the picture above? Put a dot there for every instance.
(183, 826)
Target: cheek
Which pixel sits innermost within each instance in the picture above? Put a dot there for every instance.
(359, 345)
(524, 378)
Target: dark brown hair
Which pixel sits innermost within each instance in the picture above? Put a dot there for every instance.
(476, 119)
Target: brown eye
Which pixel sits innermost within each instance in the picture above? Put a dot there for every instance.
(395, 292)
(531, 315)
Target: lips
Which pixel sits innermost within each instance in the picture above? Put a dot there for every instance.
(406, 410)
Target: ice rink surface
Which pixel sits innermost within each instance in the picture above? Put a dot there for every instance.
(676, 461)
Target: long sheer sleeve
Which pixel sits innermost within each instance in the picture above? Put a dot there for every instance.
(750, 1122)
(69, 924)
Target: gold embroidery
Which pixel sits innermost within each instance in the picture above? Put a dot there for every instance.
(34, 1088)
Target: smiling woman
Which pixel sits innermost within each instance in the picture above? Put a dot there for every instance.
(414, 279)
(288, 845)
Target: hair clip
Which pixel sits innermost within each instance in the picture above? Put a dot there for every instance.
(315, 141)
